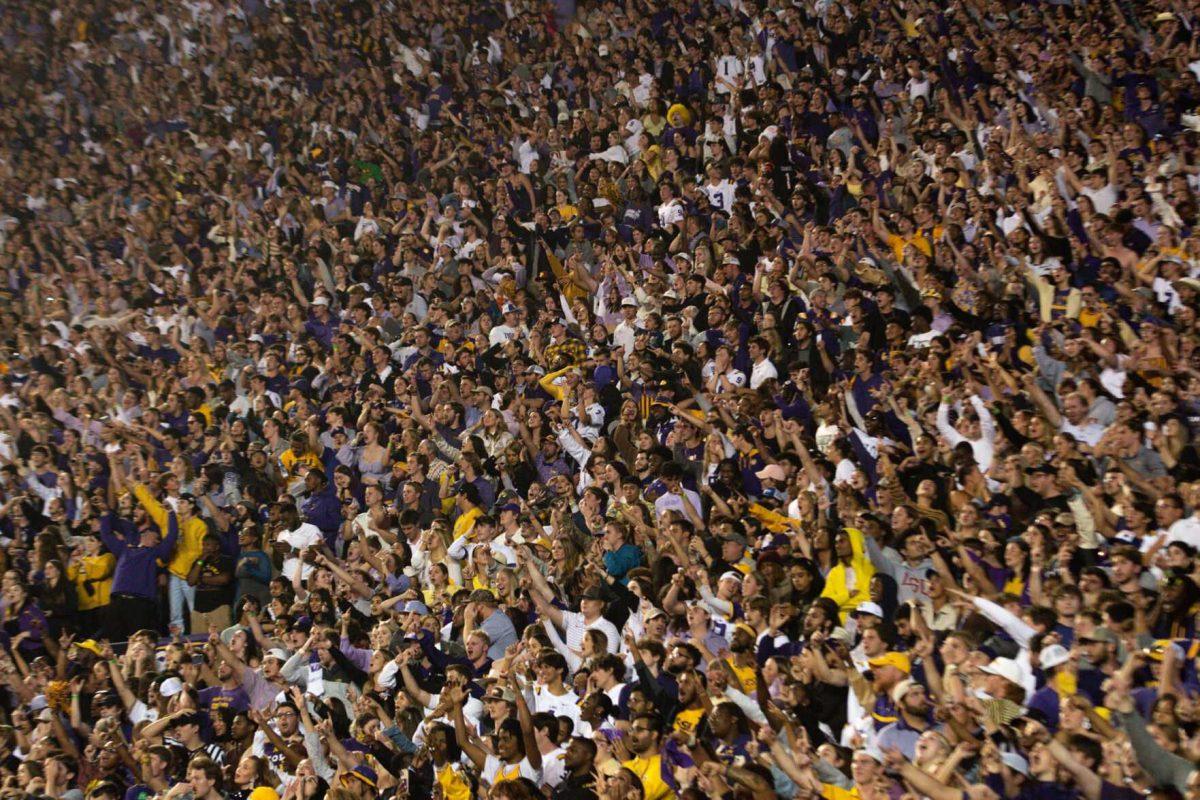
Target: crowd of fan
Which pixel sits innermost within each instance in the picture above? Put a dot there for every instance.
(725, 398)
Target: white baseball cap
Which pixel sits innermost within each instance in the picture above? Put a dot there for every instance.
(869, 608)
(1053, 655)
(1006, 668)
(1016, 762)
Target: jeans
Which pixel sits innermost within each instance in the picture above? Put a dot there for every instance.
(179, 592)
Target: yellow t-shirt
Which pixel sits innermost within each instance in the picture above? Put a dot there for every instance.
(917, 240)
(290, 462)
(431, 596)
(466, 521)
(454, 784)
(688, 720)
(747, 677)
(649, 771)
(831, 792)
(1089, 319)
(509, 772)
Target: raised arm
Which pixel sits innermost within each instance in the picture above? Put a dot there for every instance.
(128, 698)
(219, 517)
(352, 580)
(157, 728)
(1088, 782)
(260, 635)
(312, 735)
(164, 548)
(472, 750)
(526, 719)
(1042, 400)
(574, 662)
(227, 655)
(292, 758)
(155, 509)
(1014, 626)
(943, 423)
(541, 586)
(924, 783)
(411, 686)
(549, 610)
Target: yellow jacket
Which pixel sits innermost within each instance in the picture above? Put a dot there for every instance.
(835, 582)
(547, 382)
(191, 533)
(99, 570)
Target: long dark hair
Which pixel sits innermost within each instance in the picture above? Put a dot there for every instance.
(62, 581)
(453, 751)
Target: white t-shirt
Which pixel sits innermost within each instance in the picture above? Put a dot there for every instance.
(306, 535)
(920, 341)
(721, 195)
(502, 333)
(140, 711)
(1103, 199)
(1089, 432)
(673, 502)
(730, 68)
(734, 377)
(472, 708)
(566, 705)
(669, 213)
(762, 372)
(495, 770)
(918, 87)
(554, 768)
(624, 335)
(575, 626)
(843, 472)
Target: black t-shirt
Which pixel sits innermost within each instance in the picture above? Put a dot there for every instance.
(209, 597)
(574, 788)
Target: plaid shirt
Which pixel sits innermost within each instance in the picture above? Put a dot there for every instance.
(572, 351)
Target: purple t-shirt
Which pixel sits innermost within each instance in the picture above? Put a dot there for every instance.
(218, 697)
